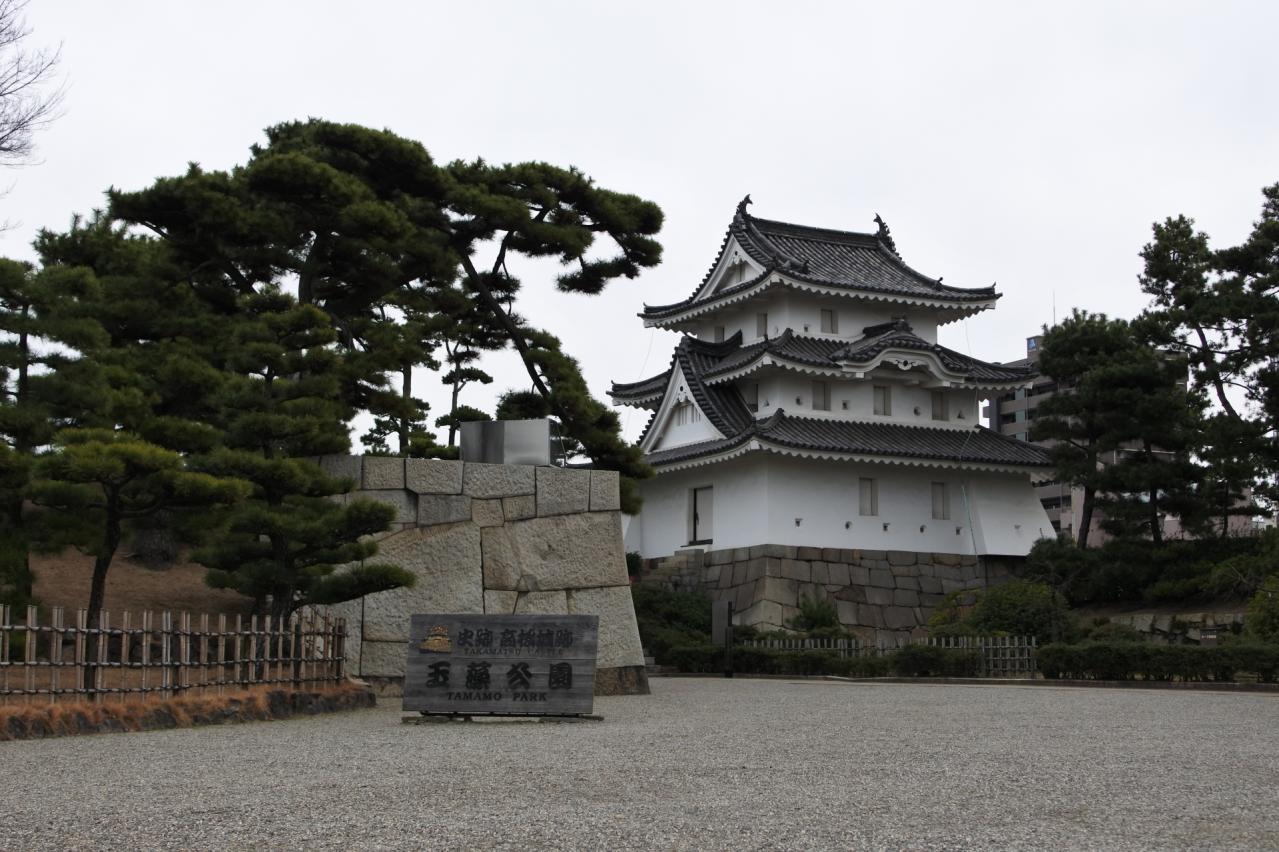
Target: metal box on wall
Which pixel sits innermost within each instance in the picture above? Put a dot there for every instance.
(534, 442)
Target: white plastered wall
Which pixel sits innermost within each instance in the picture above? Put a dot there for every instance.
(759, 497)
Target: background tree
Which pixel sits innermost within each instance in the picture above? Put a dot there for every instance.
(1221, 309)
(26, 101)
(1083, 355)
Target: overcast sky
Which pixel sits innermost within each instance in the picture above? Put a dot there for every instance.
(1023, 144)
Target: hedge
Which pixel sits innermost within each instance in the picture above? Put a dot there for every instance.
(911, 661)
(1144, 661)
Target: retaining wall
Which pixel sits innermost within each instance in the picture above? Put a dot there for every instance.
(486, 538)
(882, 595)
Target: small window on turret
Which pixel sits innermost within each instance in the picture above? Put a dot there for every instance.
(821, 396)
(941, 411)
(719, 334)
(830, 322)
(883, 400)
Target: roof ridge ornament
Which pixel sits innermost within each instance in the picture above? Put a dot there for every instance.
(885, 235)
(740, 216)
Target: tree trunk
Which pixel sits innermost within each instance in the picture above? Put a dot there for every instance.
(457, 389)
(1085, 516)
(97, 592)
(406, 391)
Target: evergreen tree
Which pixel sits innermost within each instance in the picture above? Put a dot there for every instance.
(36, 334)
(286, 543)
(539, 210)
(1221, 309)
(1082, 354)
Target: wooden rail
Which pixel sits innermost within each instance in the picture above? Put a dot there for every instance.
(1001, 656)
(163, 654)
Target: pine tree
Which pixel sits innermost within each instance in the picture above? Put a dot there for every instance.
(286, 543)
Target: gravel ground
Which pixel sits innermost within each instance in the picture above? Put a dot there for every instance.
(701, 764)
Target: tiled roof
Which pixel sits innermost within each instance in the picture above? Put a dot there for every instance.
(838, 259)
(723, 405)
(977, 445)
(898, 335)
(633, 392)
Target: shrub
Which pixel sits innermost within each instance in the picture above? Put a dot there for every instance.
(1261, 620)
(1148, 661)
(1016, 608)
(1105, 630)
(815, 613)
(634, 563)
(932, 661)
(669, 619)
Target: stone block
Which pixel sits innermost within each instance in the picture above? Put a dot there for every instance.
(905, 597)
(744, 597)
(605, 495)
(930, 585)
(882, 578)
(781, 551)
(903, 570)
(757, 551)
(902, 557)
(446, 562)
(873, 554)
(821, 572)
(519, 508)
(499, 601)
(808, 553)
(710, 574)
(839, 573)
(382, 472)
(343, 467)
(619, 642)
(847, 612)
(947, 572)
(946, 558)
(948, 585)
(908, 583)
(725, 579)
(433, 476)
(879, 597)
(738, 570)
(780, 590)
(497, 480)
(718, 557)
(831, 554)
(383, 659)
(968, 560)
(772, 567)
(765, 613)
(405, 503)
(754, 569)
(871, 616)
(859, 575)
(788, 614)
(487, 513)
(561, 552)
(442, 509)
(561, 491)
(974, 583)
(542, 603)
(899, 618)
(930, 600)
(738, 554)
(793, 569)
(856, 594)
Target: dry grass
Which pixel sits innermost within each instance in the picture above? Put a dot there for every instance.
(85, 717)
(63, 580)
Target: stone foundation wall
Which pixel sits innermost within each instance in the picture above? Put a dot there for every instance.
(882, 595)
(485, 538)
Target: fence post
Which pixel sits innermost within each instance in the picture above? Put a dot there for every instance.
(4, 647)
(29, 651)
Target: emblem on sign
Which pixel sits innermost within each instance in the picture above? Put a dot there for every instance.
(437, 641)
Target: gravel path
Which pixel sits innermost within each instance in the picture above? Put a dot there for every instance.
(701, 764)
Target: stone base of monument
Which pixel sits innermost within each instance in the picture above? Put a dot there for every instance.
(424, 719)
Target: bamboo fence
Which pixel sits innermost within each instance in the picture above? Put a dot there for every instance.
(165, 654)
(1001, 656)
